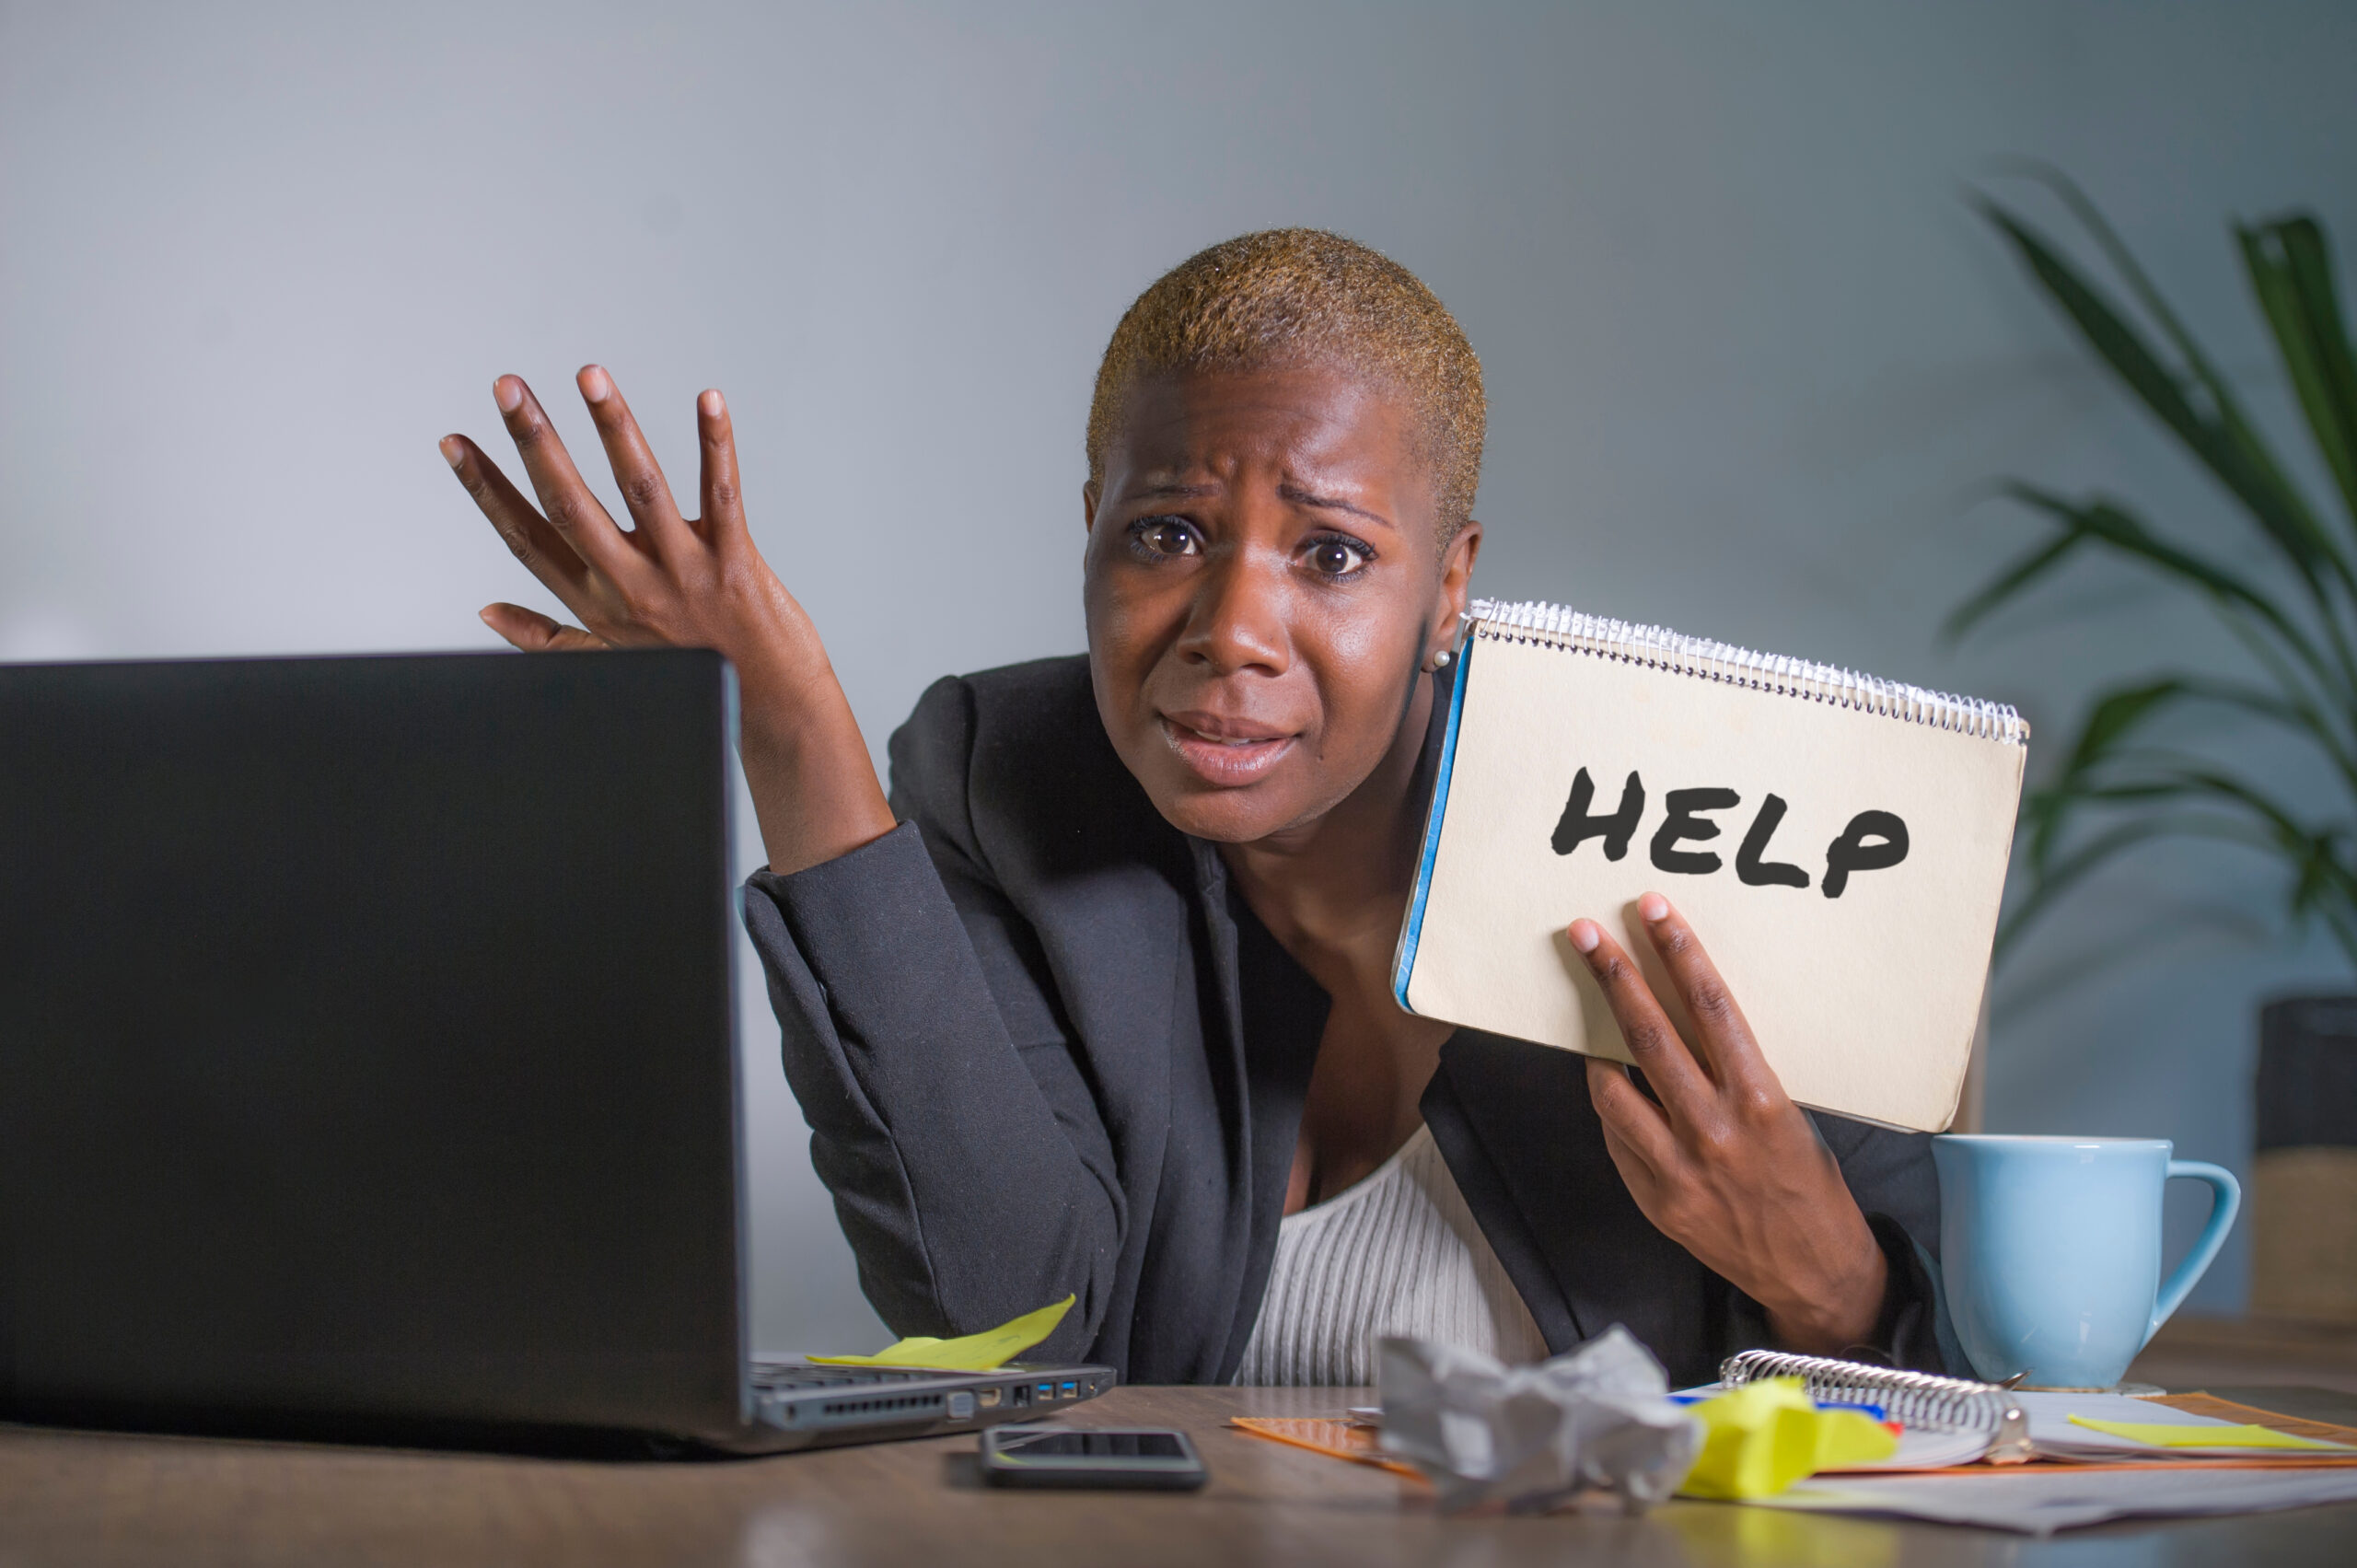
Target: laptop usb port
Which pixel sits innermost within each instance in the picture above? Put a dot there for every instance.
(1072, 1390)
(1047, 1392)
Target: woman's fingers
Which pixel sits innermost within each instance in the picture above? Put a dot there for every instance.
(645, 490)
(724, 503)
(565, 501)
(1652, 1040)
(537, 634)
(526, 533)
(1632, 1123)
(1725, 1042)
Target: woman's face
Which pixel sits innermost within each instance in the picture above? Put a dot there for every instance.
(1263, 583)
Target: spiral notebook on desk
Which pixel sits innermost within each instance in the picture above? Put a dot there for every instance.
(1839, 843)
(1948, 1422)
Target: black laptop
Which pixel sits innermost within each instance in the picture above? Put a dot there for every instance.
(368, 1062)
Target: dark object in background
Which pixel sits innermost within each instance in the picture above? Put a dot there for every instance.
(1123, 1457)
(2303, 1173)
(368, 1062)
(364, 1025)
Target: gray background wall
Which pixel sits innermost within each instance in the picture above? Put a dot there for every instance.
(1749, 353)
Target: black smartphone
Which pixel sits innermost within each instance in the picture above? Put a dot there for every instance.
(1155, 1458)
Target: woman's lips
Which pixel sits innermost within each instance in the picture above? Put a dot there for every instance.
(1224, 751)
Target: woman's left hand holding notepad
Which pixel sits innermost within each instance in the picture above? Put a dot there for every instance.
(1724, 1162)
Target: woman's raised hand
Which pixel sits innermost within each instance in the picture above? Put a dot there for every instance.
(1726, 1164)
(687, 583)
(670, 580)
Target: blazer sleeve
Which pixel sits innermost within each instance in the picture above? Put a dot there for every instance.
(1890, 1176)
(949, 1117)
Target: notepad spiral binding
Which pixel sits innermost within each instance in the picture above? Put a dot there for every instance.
(1912, 1398)
(1657, 647)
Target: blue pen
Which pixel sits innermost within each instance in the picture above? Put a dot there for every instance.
(1872, 1412)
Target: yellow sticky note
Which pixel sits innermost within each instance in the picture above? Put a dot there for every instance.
(2178, 1436)
(969, 1352)
(1758, 1439)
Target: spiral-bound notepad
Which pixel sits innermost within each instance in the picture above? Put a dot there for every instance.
(1948, 1420)
(1839, 842)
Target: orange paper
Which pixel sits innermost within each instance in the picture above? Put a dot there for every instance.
(1335, 1438)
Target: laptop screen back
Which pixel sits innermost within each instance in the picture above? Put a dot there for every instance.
(365, 1044)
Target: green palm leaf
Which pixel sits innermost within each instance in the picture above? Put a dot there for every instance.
(2117, 789)
(2219, 436)
(2110, 523)
(2290, 264)
(2123, 261)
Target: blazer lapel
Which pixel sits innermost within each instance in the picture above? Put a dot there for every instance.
(1261, 1046)
(1521, 1136)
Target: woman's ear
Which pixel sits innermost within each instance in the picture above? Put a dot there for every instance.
(1456, 584)
(1088, 493)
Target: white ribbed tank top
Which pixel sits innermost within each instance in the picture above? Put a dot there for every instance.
(1398, 1253)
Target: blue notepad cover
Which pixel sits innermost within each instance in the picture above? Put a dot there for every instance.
(1406, 964)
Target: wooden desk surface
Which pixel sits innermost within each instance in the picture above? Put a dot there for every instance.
(77, 1498)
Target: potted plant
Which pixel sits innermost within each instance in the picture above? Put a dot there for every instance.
(2127, 779)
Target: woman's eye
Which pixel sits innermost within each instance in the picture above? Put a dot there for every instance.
(1337, 557)
(1165, 536)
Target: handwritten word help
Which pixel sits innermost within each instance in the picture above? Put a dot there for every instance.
(1873, 841)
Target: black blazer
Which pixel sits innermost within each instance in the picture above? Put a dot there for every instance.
(1043, 1049)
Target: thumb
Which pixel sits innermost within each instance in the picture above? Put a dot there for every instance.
(537, 634)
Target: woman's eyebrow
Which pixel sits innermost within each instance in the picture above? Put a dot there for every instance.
(1173, 490)
(1302, 498)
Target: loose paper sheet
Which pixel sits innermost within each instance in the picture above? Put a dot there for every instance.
(1864, 1002)
(2042, 1501)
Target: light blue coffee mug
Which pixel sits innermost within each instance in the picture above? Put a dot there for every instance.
(2051, 1248)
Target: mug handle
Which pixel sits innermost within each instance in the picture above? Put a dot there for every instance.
(2225, 1205)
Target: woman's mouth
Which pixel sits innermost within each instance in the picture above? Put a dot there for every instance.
(1226, 751)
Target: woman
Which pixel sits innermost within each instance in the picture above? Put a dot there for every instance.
(1097, 1001)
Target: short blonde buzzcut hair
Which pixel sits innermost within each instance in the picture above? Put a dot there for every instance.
(1303, 297)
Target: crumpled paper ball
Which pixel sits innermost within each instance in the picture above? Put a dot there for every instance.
(1531, 1436)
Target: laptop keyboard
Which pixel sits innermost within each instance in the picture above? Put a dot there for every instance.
(802, 1375)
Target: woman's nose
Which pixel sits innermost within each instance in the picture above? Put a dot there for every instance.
(1237, 619)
